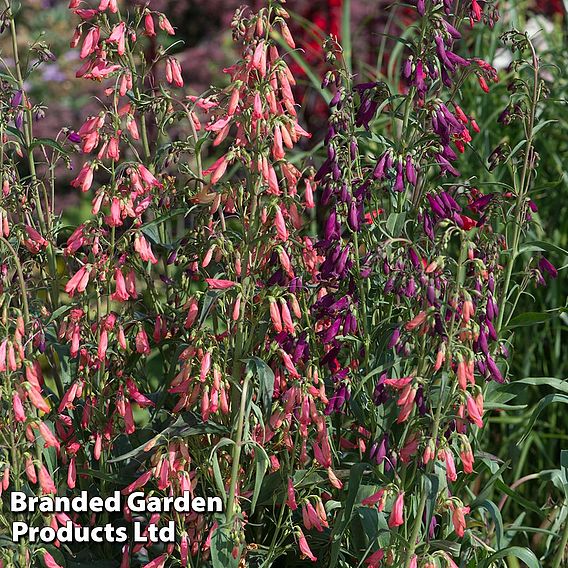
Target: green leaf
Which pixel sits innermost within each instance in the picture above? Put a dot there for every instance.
(564, 468)
(523, 554)
(482, 496)
(262, 461)
(186, 425)
(543, 246)
(59, 312)
(265, 376)
(221, 549)
(208, 300)
(432, 487)
(495, 514)
(546, 401)
(556, 384)
(48, 142)
(530, 318)
(515, 496)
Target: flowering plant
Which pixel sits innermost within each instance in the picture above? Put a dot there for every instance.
(311, 332)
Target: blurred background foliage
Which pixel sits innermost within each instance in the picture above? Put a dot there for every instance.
(370, 31)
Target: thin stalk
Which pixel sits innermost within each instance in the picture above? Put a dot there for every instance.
(237, 453)
(525, 180)
(562, 547)
(23, 288)
(28, 137)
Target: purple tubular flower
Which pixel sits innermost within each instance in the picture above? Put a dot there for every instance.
(432, 528)
(407, 68)
(399, 183)
(172, 257)
(419, 78)
(457, 60)
(19, 120)
(482, 202)
(421, 7)
(394, 338)
(491, 330)
(337, 400)
(379, 171)
(380, 394)
(350, 324)
(411, 175)
(74, 137)
(295, 284)
(482, 342)
(446, 167)
(382, 450)
(436, 206)
(545, 265)
(353, 217)
(420, 403)
(336, 98)
(332, 227)
(494, 370)
(330, 333)
(428, 227)
(17, 99)
(451, 30)
(446, 78)
(412, 254)
(431, 295)
(441, 51)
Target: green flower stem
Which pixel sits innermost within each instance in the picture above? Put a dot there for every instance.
(28, 137)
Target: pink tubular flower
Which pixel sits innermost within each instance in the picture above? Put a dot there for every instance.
(291, 500)
(396, 517)
(37, 400)
(118, 36)
(147, 177)
(85, 178)
(49, 439)
(473, 411)
(78, 282)
(451, 473)
(35, 237)
(280, 224)
(18, 408)
(143, 248)
(30, 470)
(142, 345)
(120, 294)
(173, 72)
(219, 283)
(45, 481)
(90, 43)
(192, 312)
(416, 321)
(467, 456)
(109, 5)
(49, 561)
(458, 519)
(374, 499)
(165, 25)
(374, 560)
(150, 30)
(140, 482)
(217, 169)
(72, 473)
(157, 562)
(305, 551)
